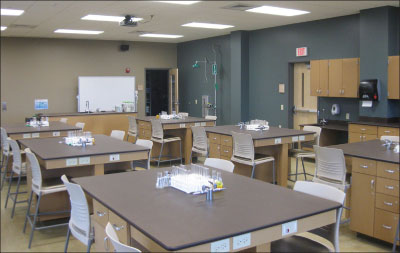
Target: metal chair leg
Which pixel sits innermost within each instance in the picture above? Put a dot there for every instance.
(34, 221)
(159, 157)
(252, 171)
(28, 212)
(297, 166)
(88, 246)
(304, 169)
(5, 172)
(180, 149)
(67, 240)
(16, 196)
(273, 172)
(396, 238)
(9, 188)
(191, 154)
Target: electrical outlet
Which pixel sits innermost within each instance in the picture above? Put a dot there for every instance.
(4, 106)
(114, 157)
(241, 241)
(282, 107)
(195, 101)
(347, 115)
(280, 126)
(220, 246)
(289, 228)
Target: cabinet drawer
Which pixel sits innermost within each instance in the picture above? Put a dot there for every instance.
(120, 226)
(388, 170)
(392, 131)
(387, 186)
(226, 151)
(226, 140)
(215, 150)
(365, 129)
(369, 137)
(100, 213)
(215, 138)
(226, 157)
(99, 234)
(386, 202)
(144, 125)
(364, 166)
(385, 225)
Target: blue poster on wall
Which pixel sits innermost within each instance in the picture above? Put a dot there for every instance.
(41, 104)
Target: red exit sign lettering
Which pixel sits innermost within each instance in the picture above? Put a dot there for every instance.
(301, 51)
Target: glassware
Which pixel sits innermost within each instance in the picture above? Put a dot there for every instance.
(214, 175)
(167, 179)
(219, 178)
(159, 183)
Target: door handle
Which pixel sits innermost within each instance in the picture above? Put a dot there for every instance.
(388, 203)
(386, 227)
(389, 187)
(372, 184)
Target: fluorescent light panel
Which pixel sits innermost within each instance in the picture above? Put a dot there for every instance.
(107, 18)
(77, 31)
(3, 28)
(180, 2)
(207, 25)
(11, 12)
(157, 35)
(277, 11)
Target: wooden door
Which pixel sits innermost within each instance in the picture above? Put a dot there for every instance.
(173, 88)
(393, 77)
(362, 204)
(314, 78)
(351, 77)
(324, 78)
(335, 77)
(305, 111)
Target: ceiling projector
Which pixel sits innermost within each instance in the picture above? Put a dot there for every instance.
(128, 21)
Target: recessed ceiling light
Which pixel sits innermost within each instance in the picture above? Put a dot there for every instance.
(77, 31)
(156, 35)
(11, 12)
(180, 2)
(3, 28)
(277, 11)
(107, 18)
(207, 25)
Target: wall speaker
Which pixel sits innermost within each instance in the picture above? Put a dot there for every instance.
(124, 48)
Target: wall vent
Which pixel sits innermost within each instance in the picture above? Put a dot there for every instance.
(238, 7)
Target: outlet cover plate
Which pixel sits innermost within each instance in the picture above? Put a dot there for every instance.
(241, 241)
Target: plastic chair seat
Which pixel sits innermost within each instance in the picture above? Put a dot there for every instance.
(297, 244)
(338, 185)
(200, 151)
(259, 159)
(300, 153)
(166, 139)
(20, 171)
(51, 187)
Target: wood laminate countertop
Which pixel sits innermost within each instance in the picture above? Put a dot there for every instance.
(66, 114)
(176, 121)
(20, 128)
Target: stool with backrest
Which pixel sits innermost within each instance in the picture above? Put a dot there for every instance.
(330, 232)
(132, 131)
(79, 223)
(63, 120)
(81, 125)
(221, 164)
(301, 153)
(118, 134)
(200, 141)
(5, 155)
(143, 163)
(113, 237)
(19, 169)
(157, 135)
(40, 190)
(243, 152)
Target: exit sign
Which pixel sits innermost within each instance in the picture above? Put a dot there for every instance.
(301, 51)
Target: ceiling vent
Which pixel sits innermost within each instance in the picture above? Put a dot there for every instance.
(238, 7)
(22, 26)
(139, 32)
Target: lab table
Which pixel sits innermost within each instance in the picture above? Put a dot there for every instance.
(158, 220)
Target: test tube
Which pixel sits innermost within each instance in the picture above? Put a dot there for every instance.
(159, 181)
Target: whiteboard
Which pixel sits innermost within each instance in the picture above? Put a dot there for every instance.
(104, 92)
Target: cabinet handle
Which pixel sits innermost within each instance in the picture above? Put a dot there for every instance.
(387, 131)
(364, 166)
(390, 171)
(105, 244)
(225, 140)
(389, 187)
(360, 137)
(226, 151)
(388, 203)
(363, 129)
(118, 228)
(386, 227)
(214, 138)
(364, 137)
(372, 184)
(218, 148)
(100, 214)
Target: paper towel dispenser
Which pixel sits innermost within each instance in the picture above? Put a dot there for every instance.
(369, 90)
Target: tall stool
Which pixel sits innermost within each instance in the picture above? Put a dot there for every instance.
(5, 155)
(132, 131)
(200, 142)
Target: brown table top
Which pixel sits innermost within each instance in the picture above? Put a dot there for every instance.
(273, 132)
(176, 220)
(332, 126)
(51, 148)
(60, 114)
(20, 128)
(369, 150)
(176, 121)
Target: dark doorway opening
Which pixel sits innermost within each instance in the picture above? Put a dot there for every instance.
(156, 91)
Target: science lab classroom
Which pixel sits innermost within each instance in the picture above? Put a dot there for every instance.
(200, 126)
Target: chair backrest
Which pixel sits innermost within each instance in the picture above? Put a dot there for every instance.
(390, 138)
(17, 161)
(221, 164)
(330, 165)
(316, 130)
(132, 124)
(64, 120)
(35, 168)
(243, 146)
(118, 134)
(156, 129)
(329, 232)
(81, 125)
(199, 138)
(79, 222)
(147, 144)
(5, 146)
(119, 247)
(211, 117)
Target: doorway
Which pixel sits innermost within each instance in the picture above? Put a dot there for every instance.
(304, 105)
(156, 91)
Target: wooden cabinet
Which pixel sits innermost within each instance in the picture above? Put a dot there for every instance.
(319, 78)
(393, 77)
(359, 132)
(392, 131)
(144, 129)
(220, 146)
(335, 77)
(385, 225)
(351, 77)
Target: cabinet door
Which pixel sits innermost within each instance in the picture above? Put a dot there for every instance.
(362, 203)
(100, 244)
(215, 150)
(385, 225)
(324, 78)
(369, 137)
(335, 77)
(314, 78)
(355, 137)
(393, 77)
(351, 77)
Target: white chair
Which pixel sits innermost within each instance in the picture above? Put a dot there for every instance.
(18, 168)
(243, 152)
(5, 155)
(81, 125)
(63, 120)
(39, 190)
(113, 237)
(146, 164)
(390, 138)
(200, 142)
(300, 153)
(157, 135)
(132, 131)
(79, 222)
(221, 164)
(118, 134)
(329, 232)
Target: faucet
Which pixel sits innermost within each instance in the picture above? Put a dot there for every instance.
(323, 120)
(387, 144)
(87, 106)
